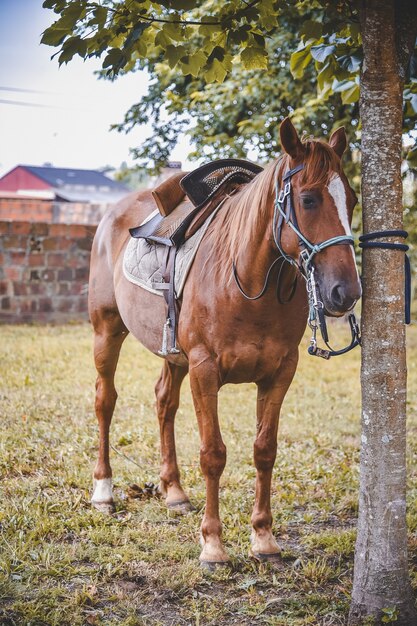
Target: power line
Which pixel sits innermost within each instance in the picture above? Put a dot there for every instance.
(28, 104)
(21, 90)
(38, 105)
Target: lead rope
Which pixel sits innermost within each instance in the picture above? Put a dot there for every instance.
(367, 241)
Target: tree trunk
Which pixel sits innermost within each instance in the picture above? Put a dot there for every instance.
(381, 566)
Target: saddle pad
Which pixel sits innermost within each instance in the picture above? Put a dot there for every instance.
(142, 261)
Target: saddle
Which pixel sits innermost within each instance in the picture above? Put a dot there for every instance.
(184, 203)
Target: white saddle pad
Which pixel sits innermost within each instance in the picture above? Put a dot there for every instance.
(142, 261)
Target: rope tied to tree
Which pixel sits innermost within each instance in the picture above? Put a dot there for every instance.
(367, 241)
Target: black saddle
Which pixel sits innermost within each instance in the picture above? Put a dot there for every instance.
(194, 196)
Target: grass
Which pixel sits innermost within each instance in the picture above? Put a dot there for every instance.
(63, 563)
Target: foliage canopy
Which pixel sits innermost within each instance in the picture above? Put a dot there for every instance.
(236, 68)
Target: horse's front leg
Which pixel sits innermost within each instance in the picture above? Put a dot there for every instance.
(270, 396)
(204, 382)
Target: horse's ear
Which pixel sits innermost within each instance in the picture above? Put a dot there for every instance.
(338, 141)
(290, 140)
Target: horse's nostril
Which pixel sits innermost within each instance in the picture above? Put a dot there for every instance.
(338, 295)
(341, 298)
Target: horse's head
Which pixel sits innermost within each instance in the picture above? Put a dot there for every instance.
(323, 203)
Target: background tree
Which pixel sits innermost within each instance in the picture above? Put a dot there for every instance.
(203, 40)
(188, 48)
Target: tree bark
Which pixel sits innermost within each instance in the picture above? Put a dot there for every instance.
(381, 578)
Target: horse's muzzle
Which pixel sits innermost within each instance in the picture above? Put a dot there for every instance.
(340, 298)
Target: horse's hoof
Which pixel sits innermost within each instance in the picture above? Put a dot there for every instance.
(107, 508)
(274, 558)
(211, 566)
(182, 507)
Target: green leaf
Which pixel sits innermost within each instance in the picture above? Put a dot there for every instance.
(173, 31)
(413, 102)
(254, 58)
(174, 54)
(350, 62)
(100, 16)
(193, 63)
(54, 36)
(183, 5)
(216, 72)
(321, 52)
(348, 89)
(299, 61)
(351, 95)
(238, 36)
(325, 80)
(135, 34)
(115, 60)
(72, 46)
(311, 29)
(412, 158)
(207, 29)
(267, 15)
(342, 85)
(162, 39)
(71, 15)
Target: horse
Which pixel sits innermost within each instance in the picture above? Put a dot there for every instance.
(226, 333)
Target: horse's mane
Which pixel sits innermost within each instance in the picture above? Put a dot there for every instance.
(245, 211)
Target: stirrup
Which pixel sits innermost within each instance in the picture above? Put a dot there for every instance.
(163, 351)
(164, 348)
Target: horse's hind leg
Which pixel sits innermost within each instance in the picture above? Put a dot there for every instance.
(109, 334)
(167, 391)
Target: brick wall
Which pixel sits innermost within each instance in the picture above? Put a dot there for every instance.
(13, 208)
(51, 211)
(44, 271)
(77, 212)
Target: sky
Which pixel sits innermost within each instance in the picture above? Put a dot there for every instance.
(60, 115)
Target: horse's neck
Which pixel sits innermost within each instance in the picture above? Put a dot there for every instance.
(255, 249)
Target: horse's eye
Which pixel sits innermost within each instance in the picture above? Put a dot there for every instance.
(309, 202)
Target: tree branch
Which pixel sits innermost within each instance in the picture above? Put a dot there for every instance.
(160, 20)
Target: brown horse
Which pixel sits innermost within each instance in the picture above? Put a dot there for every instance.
(223, 336)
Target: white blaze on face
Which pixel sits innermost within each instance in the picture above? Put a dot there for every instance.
(102, 490)
(337, 191)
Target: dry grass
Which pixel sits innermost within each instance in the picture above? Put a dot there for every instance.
(63, 563)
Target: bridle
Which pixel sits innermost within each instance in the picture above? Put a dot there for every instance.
(284, 213)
